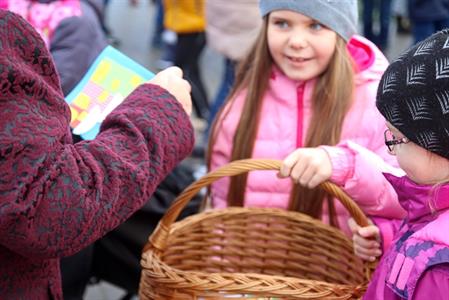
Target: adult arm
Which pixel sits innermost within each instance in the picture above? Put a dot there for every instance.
(57, 197)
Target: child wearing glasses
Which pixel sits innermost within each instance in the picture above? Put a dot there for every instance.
(414, 98)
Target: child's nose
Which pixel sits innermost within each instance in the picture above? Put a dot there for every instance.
(298, 40)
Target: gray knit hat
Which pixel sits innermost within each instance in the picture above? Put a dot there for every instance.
(413, 94)
(338, 15)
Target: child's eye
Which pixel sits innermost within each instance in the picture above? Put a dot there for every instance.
(316, 26)
(281, 23)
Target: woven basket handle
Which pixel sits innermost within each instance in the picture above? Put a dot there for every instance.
(160, 234)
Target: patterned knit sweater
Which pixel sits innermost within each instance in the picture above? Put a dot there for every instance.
(57, 197)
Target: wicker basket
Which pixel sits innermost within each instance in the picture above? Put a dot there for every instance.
(250, 253)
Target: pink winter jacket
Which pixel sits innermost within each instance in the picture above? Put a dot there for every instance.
(286, 115)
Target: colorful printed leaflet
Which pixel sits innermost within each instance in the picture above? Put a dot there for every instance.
(111, 78)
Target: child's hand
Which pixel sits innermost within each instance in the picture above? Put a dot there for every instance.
(307, 166)
(366, 240)
(171, 80)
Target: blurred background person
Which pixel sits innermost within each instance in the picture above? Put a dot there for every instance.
(428, 17)
(71, 30)
(382, 10)
(231, 29)
(187, 20)
(158, 25)
(400, 13)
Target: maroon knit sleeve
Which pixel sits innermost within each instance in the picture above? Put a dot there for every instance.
(57, 197)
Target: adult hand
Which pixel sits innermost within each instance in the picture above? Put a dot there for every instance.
(307, 166)
(366, 240)
(171, 80)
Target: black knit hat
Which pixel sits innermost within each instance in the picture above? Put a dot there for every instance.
(413, 94)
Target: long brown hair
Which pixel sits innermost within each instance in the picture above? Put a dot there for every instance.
(331, 100)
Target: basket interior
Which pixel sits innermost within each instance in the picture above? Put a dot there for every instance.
(263, 241)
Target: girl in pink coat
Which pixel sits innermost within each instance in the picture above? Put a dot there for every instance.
(308, 84)
(414, 98)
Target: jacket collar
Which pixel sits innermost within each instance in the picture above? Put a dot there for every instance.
(419, 200)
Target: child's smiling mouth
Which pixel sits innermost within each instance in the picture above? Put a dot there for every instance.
(297, 60)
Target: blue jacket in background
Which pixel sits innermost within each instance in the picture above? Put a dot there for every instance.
(428, 10)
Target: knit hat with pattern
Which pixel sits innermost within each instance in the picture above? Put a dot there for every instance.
(338, 15)
(413, 94)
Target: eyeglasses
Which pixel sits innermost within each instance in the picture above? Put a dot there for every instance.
(391, 140)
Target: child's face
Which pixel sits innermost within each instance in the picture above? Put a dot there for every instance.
(300, 46)
(421, 165)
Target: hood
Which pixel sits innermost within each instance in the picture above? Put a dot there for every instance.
(28, 77)
(419, 200)
(370, 61)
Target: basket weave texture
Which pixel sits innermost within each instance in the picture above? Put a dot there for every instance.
(251, 253)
